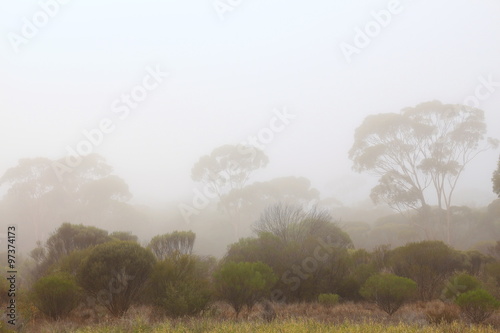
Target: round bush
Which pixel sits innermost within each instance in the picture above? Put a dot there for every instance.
(477, 305)
(388, 291)
(458, 284)
(115, 273)
(56, 295)
(180, 286)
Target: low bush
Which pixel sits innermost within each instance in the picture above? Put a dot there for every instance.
(329, 299)
(56, 295)
(459, 284)
(438, 312)
(180, 286)
(477, 305)
(388, 291)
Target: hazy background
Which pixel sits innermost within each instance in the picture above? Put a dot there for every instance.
(226, 77)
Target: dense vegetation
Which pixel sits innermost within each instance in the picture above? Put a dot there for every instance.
(307, 259)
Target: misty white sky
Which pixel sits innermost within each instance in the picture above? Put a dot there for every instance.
(227, 76)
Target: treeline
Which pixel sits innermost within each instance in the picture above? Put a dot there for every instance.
(295, 255)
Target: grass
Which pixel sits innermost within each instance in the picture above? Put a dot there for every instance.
(304, 317)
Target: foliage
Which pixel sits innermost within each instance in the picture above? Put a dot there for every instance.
(115, 273)
(243, 283)
(71, 262)
(254, 198)
(424, 147)
(66, 239)
(56, 295)
(460, 283)
(388, 291)
(124, 236)
(228, 167)
(172, 244)
(496, 179)
(328, 299)
(428, 263)
(41, 191)
(477, 304)
(291, 223)
(180, 286)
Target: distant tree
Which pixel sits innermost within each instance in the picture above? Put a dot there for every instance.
(424, 147)
(228, 167)
(496, 179)
(388, 291)
(244, 283)
(38, 195)
(428, 263)
(124, 236)
(253, 198)
(115, 273)
(172, 244)
(30, 184)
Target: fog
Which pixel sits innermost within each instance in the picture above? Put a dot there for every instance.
(294, 79)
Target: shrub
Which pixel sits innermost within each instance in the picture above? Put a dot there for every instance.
(438, 312)
(388, 291)
(56, 295)
(477, 305)
(458, 284)
(180, 286)
(428, 263)
(114, 273)
(244, 283)
(328, 299)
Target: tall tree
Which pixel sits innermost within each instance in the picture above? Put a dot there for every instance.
(88, 194)
(423, 148)
(228, 167)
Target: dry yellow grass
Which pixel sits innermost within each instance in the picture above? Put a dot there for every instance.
(303, 317)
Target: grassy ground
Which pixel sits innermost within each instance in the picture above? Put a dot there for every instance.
(310, 317)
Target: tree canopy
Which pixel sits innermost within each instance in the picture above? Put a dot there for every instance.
(421, 148)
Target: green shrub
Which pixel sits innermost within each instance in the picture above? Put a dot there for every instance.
(115, 273)
(244, 283)
(328, 299)
(428, 263)
(477, 305)
(388, 291)
(56, 295)
(180, 286)
(458, 284)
